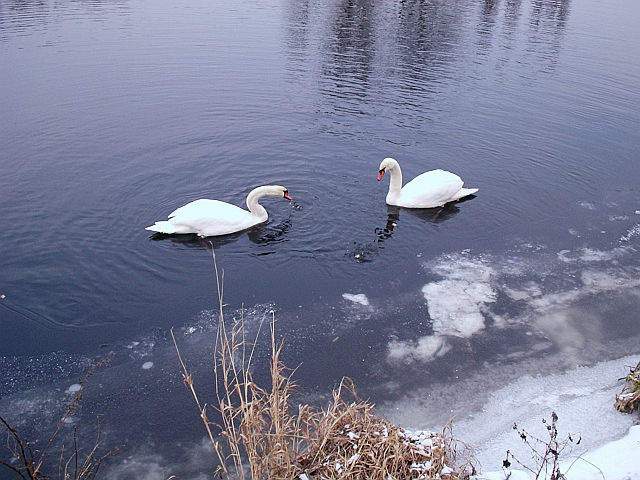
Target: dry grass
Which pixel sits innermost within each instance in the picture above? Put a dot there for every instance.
(262, 435)
(628, 399)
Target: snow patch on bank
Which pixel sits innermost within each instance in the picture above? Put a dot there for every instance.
(500, 396)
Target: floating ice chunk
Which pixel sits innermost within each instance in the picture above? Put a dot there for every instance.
(587, 205)
(632, 232)
(618, 218)
(424, 349)
(455, 306)
(597, 281)
(360, 298)
(528, 290)
(456, 303)
(591, 255)
(76, 387)
(147, 365)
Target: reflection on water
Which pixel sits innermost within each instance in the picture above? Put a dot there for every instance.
(19, 18)
(430, 215)
(367, 252)
(394, 61)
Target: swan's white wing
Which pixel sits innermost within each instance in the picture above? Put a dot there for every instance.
(431, 189)
(212, 217)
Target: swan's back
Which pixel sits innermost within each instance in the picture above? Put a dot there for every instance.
(208, 208)
(212, 217)
(431, 189)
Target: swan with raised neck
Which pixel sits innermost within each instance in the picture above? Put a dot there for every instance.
(428, 190)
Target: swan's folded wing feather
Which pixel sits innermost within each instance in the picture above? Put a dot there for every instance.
(212, 217)
(432, 189)
(205, 208)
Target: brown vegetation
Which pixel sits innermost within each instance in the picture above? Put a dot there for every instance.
(628, 399)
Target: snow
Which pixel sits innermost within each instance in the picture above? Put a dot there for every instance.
(616, 460)
(582, 397)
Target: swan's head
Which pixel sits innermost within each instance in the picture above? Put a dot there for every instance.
(386, 164)
(279, 191)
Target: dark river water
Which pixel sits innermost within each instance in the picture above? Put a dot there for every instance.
(114, 113)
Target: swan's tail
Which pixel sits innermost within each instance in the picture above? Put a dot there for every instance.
(162, 227)
(465, 191)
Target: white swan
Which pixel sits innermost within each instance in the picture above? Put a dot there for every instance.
(208, 218)
(428, 190)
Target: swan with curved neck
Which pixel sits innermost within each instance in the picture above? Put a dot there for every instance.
(209, 218)
(428, 190)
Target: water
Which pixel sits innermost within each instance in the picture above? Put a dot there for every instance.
(115, 113)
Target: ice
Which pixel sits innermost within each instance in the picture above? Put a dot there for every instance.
(76, 387)
(424, 349)
(631, 233)
(456, 306)
(360, 298)
(587, 205)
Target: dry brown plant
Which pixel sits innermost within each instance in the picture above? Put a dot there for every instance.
(261, 435)
(628, 399)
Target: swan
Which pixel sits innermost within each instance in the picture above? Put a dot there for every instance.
(428, 190)
(209, 218)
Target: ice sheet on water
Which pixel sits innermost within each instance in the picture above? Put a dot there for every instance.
(21, 372)
(146, 463)
(549, 292)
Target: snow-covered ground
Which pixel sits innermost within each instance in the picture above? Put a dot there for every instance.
(582, 397)
(617, 460)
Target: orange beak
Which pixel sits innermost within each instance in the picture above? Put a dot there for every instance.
(287, 196)
(380, 174)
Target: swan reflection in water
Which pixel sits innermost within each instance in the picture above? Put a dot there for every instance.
(263, 234)
(432, 215)
(366, 252)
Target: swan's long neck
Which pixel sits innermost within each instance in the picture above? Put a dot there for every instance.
(254, 207)
(395, 182)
